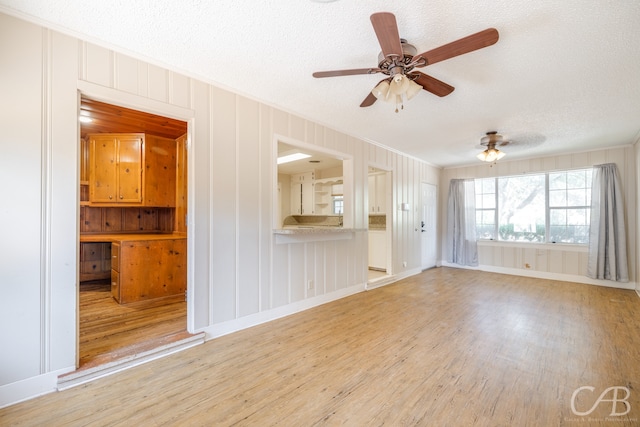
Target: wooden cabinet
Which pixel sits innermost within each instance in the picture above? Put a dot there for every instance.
(302, 189)
(377, 193)
(132, 169)
(95, 261)
(115, 168)
(148, 268)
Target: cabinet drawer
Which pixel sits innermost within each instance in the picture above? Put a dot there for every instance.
(115, 257)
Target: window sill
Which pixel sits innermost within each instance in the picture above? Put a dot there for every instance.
(568, 247)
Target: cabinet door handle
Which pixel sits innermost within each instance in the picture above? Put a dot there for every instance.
(121, 197)
(110, 197)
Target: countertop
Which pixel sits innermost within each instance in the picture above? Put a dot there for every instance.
(301, 230)
(123, 237)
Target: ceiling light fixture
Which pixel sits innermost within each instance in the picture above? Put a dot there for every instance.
(292, 158)
(85, 117)
(491, 154)
(395, 89)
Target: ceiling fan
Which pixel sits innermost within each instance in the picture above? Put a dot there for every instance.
(398, 60)
(492, 140)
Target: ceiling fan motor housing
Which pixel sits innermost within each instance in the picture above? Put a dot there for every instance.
(393, 65)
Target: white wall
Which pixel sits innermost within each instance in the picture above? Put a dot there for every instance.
(238, 275)
(555, 261)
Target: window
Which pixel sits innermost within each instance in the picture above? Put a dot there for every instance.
(569, 206)
(486, 208)
(338, 205)
(549, 207)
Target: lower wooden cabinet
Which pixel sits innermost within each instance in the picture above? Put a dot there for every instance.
(148, 269)
(95, 261)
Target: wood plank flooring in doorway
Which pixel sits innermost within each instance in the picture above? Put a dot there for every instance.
(110, 331)
(446, 347)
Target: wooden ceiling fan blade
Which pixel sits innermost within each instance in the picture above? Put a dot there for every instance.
(459, 47)
(371, 98)
(386, 28)
(337, 73)
(431, 84)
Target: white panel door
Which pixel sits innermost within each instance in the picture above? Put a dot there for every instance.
(428, 232)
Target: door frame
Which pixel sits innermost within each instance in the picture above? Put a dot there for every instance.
(423, 263)
(135, 102)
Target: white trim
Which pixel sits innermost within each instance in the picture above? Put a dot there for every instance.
(565, 247)
(388, 280)
(228, 327)
(576, 278)
(31, 387)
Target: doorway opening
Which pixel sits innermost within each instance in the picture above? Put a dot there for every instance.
(133, 233)
(380, 221)
(428, 227)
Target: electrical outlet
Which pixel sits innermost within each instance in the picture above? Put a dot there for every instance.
(404, 263)
(309, 284)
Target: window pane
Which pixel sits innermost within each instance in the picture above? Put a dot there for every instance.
(557, 198)
(558, 217)
(489, 201)
(521, 208)
(557, 181)
(577, 197)
(577, 179)
(576, 217)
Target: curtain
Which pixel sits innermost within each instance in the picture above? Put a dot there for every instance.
(607, 233)
(461, 223)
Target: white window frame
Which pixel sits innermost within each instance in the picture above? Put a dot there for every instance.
(496, 235)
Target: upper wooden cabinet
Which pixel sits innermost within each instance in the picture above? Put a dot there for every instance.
(132, 170)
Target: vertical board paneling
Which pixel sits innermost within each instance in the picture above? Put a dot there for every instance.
(280, 122)
(203, 243)
(63, 103)
(21, 162)
(143, 80)
(126, 74)
(179, 90)
(98, 63)
(297, 128)
(342, 264)
(280, 283)
(224, 213)
(331, 256)
(267, 172)
(297, 261)
(320, 268)
(248, 199)
(158, 84)
(310, 268)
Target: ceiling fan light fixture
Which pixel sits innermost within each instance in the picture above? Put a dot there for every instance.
(399, 84)
(381, 91)
(413, 89)
(491, 155)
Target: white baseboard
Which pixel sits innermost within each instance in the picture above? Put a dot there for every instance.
(29, 388)
(235, 325)
(546, 275)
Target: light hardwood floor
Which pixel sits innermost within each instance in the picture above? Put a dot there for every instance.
(447, 347)
(111, 331)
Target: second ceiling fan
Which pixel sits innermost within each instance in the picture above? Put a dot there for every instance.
(398, 61)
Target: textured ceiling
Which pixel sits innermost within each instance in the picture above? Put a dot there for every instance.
(564, 76)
